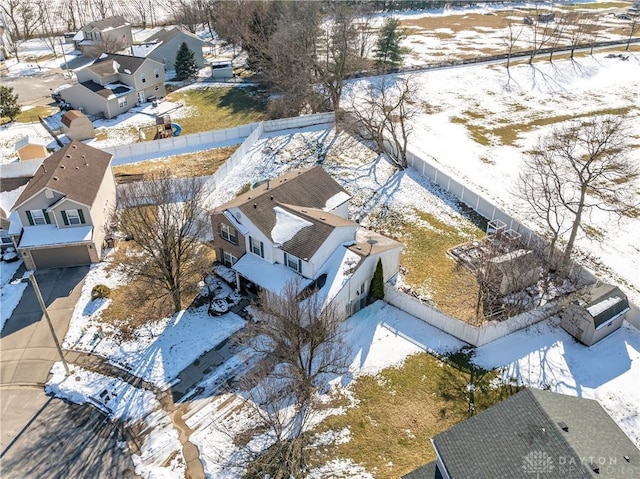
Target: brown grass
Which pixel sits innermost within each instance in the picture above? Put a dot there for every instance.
(458, 23)
(131, 304)
(401, 409)
(201, 163)
(430, 270)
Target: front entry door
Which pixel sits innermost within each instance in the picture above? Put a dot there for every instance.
(141, 98)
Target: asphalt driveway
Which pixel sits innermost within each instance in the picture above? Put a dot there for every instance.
(42, 436)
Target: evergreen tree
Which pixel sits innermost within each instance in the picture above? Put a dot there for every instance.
(388, 53)
(376, 291)
(185, 63)
(8, 103)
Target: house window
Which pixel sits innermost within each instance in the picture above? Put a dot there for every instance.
(229, 233)
(143, 77)
(256, 247)
(228, 259)
(156, 72)
(73, 217)
(38, 217)
(293, 262)
(122, 102)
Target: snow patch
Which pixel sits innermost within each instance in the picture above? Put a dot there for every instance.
(287, 226)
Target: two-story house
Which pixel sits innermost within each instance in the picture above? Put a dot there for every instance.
(113, 84)
(60, 218)
(114, 32)
(295, 228)
(163, 47)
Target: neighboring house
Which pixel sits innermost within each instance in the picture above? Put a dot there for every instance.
(77, 126)
(113, 31)
(534, 434)
(163, 47)
(596, 315)
(60, 217)
(294, 228)
(113, 84)
(5, 240)
(29, 148)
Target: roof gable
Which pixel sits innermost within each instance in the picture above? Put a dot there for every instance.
(71, 115)
(76, 171)
(310, 188)
(113, 63)
(106, 23)
(167, 34)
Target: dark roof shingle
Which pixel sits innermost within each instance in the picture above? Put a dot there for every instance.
(105, 67)
(76, 171)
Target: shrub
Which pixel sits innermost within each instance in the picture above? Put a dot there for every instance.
(100, 291)
(376, 291)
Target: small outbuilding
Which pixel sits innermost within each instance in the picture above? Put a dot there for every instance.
(222, 70)
(596, 315)
(77, 126)
(29, 148)
(513, 271)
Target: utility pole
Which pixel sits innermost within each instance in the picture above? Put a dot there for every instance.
(32, 278)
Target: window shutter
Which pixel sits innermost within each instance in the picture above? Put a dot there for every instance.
(299, 266)
(251, 244)
(29, 217)
(286, 262)
(81, 215)
(261, 249)
(46, 217)
(64, 218)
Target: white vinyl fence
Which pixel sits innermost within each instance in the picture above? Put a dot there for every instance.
(475, 335)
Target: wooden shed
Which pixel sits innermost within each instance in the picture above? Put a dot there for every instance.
(77, 126)
(596, 315)
(29, 148)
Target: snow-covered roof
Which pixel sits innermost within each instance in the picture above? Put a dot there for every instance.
(143, 49)
(339, 268)
(336, 200)
(29, 140)
(272, 277)
(287, 225)
(240, 227)
(48, 235)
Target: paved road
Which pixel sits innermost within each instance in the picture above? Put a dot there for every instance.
(41, 436)
(36, 89)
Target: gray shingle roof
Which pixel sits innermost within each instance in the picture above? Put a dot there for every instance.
(104, 66)
(309, 188)
(106, 23)
(609, 302)
(167, 34)
(520, 437)
(76, 171)
(428, 471)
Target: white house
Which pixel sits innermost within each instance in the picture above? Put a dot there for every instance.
(295, 228)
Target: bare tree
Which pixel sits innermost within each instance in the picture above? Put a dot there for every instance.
(383, 114)
(188, 14)
(592, 31)
(47, 21)
(541, 31)
(107, 44)
(510, 39)
(578, 30)
(560, 27)
(587, 170)
(300, 340)
(337, 54)
(163, 216)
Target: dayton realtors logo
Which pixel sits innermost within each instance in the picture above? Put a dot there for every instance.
(541, 463)
(538, 462)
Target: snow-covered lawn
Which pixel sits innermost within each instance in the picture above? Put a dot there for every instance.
(160, 349)
(128, 404)
(10, 291)
(381, 336)
(545, 356)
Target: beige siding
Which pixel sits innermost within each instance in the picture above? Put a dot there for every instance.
(113, 107)
(81, 129)
(102, 209)
(147, 68)
(32, 152)
(38, 202)
(80, 97)
(69, 205)
(169, 50)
